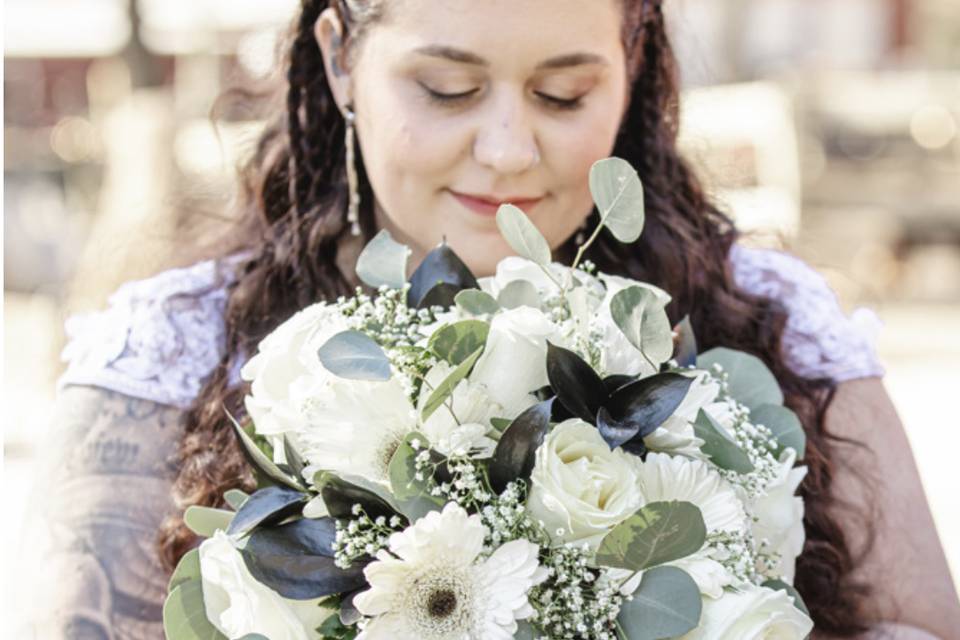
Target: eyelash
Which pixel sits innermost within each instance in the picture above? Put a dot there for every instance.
(453, 99)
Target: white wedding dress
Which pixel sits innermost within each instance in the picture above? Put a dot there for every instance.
(160, 338)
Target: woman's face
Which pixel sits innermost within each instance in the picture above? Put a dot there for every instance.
(462, 105)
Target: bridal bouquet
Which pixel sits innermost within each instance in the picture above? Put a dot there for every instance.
(533, 454)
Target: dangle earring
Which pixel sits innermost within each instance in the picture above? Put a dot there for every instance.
(353, 181)
(581, 234)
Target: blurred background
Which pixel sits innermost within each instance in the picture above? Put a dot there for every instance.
(827, 127)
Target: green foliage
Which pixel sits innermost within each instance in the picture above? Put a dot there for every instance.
(618, 194)
(235, 498)
(476, 302)
(354, 356)
(659, 532)
(184, 616)
(784, 424)
(722, 450)
(750, 381)
(519, 293)
(521, 234)
(412, 495)
(383, 262)
(667, 604)
(204, 521)
(459, 341)
(444, 390)
(261, 462)
(642, 319)
(187, 569)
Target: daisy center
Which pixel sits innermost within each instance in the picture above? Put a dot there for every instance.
(439, 602)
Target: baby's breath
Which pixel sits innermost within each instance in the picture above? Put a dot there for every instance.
(362, 536)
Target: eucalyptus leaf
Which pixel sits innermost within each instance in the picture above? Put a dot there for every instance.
(519, 293)
(413, 495)
(780, 585)
(750, 381)
(667, 604)
(440, 266)
(296, 560)
(383, 262)
(445, 389)
(476, 302)
(642, 319)
(578, 387)
(686, 348)
(235, 498)
(266, 506)
(785, 425)
(514, 457)
(526, 631)
(205, 521)
(354, 356)
(260, 461)
(658, 533)
(185, 616)
(618, 194)
(187, 569)
(459, 341)
(723, 452)
(522, 235)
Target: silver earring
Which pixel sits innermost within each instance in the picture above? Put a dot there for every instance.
(581, 234)
(353, 182)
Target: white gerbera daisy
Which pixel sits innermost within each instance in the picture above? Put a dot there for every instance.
(430, 585)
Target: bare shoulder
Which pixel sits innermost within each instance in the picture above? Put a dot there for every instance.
(102, 487)
(906, 565)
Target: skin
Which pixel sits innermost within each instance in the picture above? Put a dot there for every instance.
(416, 150)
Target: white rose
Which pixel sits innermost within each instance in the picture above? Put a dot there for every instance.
(779, 515)
(752, 613)
(282, 358)
(237, 605)
(581, 489)
(514, 268)
(514, 361)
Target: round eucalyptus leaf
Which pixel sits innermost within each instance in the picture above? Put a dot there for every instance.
(785, 425)
(412, 495)
(641, 317)
(354, 356)
(187, 569)
(458, 341)
(618, 194)
(667, 604)
(751, 382)
(185, 616)
(205, 521)
(522, 235)
(723, 452)
(658, 533)
(476, 302)
(519, 293)
(383, 262)
(235, 498)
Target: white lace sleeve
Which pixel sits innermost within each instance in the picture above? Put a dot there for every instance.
(819, 340)
(158, 339)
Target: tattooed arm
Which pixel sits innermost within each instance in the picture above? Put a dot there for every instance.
(103, 485)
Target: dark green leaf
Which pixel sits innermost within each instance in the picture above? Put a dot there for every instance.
(293, 457)
(412, 495)
(259, 460)
(780, 585)
(266, 506)
(514, 457)
(441, 265)
(618, 194)
(751, 382)
(458, 341)
(443, 390)
(476, 302)
(785, 425)
(204, 521)
(441, 295)
(577, 385)
(613, 382)
(723, 451)
(638, 408)
(354, 356)
(640, 316)
(184, 615)
(187, 569)
(667, 604)
(296, 560)
(500, 424)
(340, 496)
(659, 532)
(522, 235)
(519, 293)
(686, 350)
(383, 262)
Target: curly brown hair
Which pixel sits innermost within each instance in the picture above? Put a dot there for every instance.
(293, 197)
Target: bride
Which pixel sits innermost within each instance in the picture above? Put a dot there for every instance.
(420, 116)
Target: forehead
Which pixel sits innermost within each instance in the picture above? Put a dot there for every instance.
(503, 31)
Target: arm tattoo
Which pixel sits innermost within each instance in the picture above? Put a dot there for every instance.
(103, 486)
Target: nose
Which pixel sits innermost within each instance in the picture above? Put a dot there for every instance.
(505, 141)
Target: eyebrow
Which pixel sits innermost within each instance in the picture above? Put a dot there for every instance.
(558, 62)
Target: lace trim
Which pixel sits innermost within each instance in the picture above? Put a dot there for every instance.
(819, 340)
(160, 338)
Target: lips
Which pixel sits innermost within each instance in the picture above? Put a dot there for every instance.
(488, 207)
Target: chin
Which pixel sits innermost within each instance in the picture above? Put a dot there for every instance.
(480, 251)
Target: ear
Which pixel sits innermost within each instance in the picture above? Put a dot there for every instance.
(328, 31)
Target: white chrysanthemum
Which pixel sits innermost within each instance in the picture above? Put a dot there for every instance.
(352, 426)
(464, 430)
(664, 478)
(430, 585)
(676, 435)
